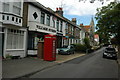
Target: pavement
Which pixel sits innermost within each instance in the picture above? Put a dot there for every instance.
(16, 68)
(118, 60)
(0, 67)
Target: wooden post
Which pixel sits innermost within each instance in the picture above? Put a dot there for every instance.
(40, 49)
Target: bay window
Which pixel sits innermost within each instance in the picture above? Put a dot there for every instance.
(15, 39)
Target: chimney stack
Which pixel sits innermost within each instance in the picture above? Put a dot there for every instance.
(59, 11)
(74, 20)
(81, 24)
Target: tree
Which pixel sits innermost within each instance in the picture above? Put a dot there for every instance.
(108, 18)
(114, 41)
(87, 42)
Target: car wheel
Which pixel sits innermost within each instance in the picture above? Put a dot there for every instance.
(68, 53)
(103, 56)
(115, 58)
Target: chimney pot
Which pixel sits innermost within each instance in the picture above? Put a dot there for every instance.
(74, 20)
(56, 9)
(59, 11)
(81, 24)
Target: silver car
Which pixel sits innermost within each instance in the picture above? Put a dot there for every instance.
(110, 53)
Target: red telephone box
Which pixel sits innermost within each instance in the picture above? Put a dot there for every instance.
(49, 47)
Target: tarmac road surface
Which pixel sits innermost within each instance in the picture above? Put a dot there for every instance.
(88, 66)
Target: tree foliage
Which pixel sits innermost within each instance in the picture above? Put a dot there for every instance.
(108, 18)
(87, 42)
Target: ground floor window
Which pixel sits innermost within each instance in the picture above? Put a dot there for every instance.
(59, 41)
(33, 39)
(15, 39)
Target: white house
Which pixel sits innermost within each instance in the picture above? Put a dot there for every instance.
(12, 32)
(40, 22)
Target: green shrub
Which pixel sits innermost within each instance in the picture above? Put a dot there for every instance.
(87, 43)
(8, 56)
(80, 48)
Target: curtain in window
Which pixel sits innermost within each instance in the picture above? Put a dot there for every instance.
(15, 39)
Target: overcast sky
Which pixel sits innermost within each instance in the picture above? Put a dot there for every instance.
(73, 8)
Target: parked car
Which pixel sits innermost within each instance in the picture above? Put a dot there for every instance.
(66, 50)
(110, 53)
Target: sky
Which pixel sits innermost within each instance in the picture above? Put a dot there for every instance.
(82, 11)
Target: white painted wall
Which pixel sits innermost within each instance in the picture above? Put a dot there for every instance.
(31, 11)
(1, 11)
(82, 36)
(32, 22)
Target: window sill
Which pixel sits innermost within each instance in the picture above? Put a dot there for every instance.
(14, 49)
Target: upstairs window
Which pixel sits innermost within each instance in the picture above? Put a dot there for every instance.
(57, 25)
(53, 24)
(48, 20)
(61, 24)
(53, 21)
(17, 4)
(42, 18)
(6, 7)
(17, 8)
(66, 28)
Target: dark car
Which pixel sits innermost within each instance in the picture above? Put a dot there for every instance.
(110, 53)
(66, 50)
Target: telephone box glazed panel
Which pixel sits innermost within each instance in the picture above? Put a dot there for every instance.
(49, 47)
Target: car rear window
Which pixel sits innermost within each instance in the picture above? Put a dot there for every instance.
(65, 46)
(110, 49)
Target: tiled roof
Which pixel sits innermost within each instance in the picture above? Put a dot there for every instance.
(39, 5)
(87, 27)
(96, 36)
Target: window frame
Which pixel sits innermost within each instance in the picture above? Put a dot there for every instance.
(42, 19)
(57, 22)
(48, 20)
(15, 39)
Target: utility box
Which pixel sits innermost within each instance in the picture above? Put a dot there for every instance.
(49, 47)
(40, 49)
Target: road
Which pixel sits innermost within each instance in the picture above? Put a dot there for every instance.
(90, 66)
